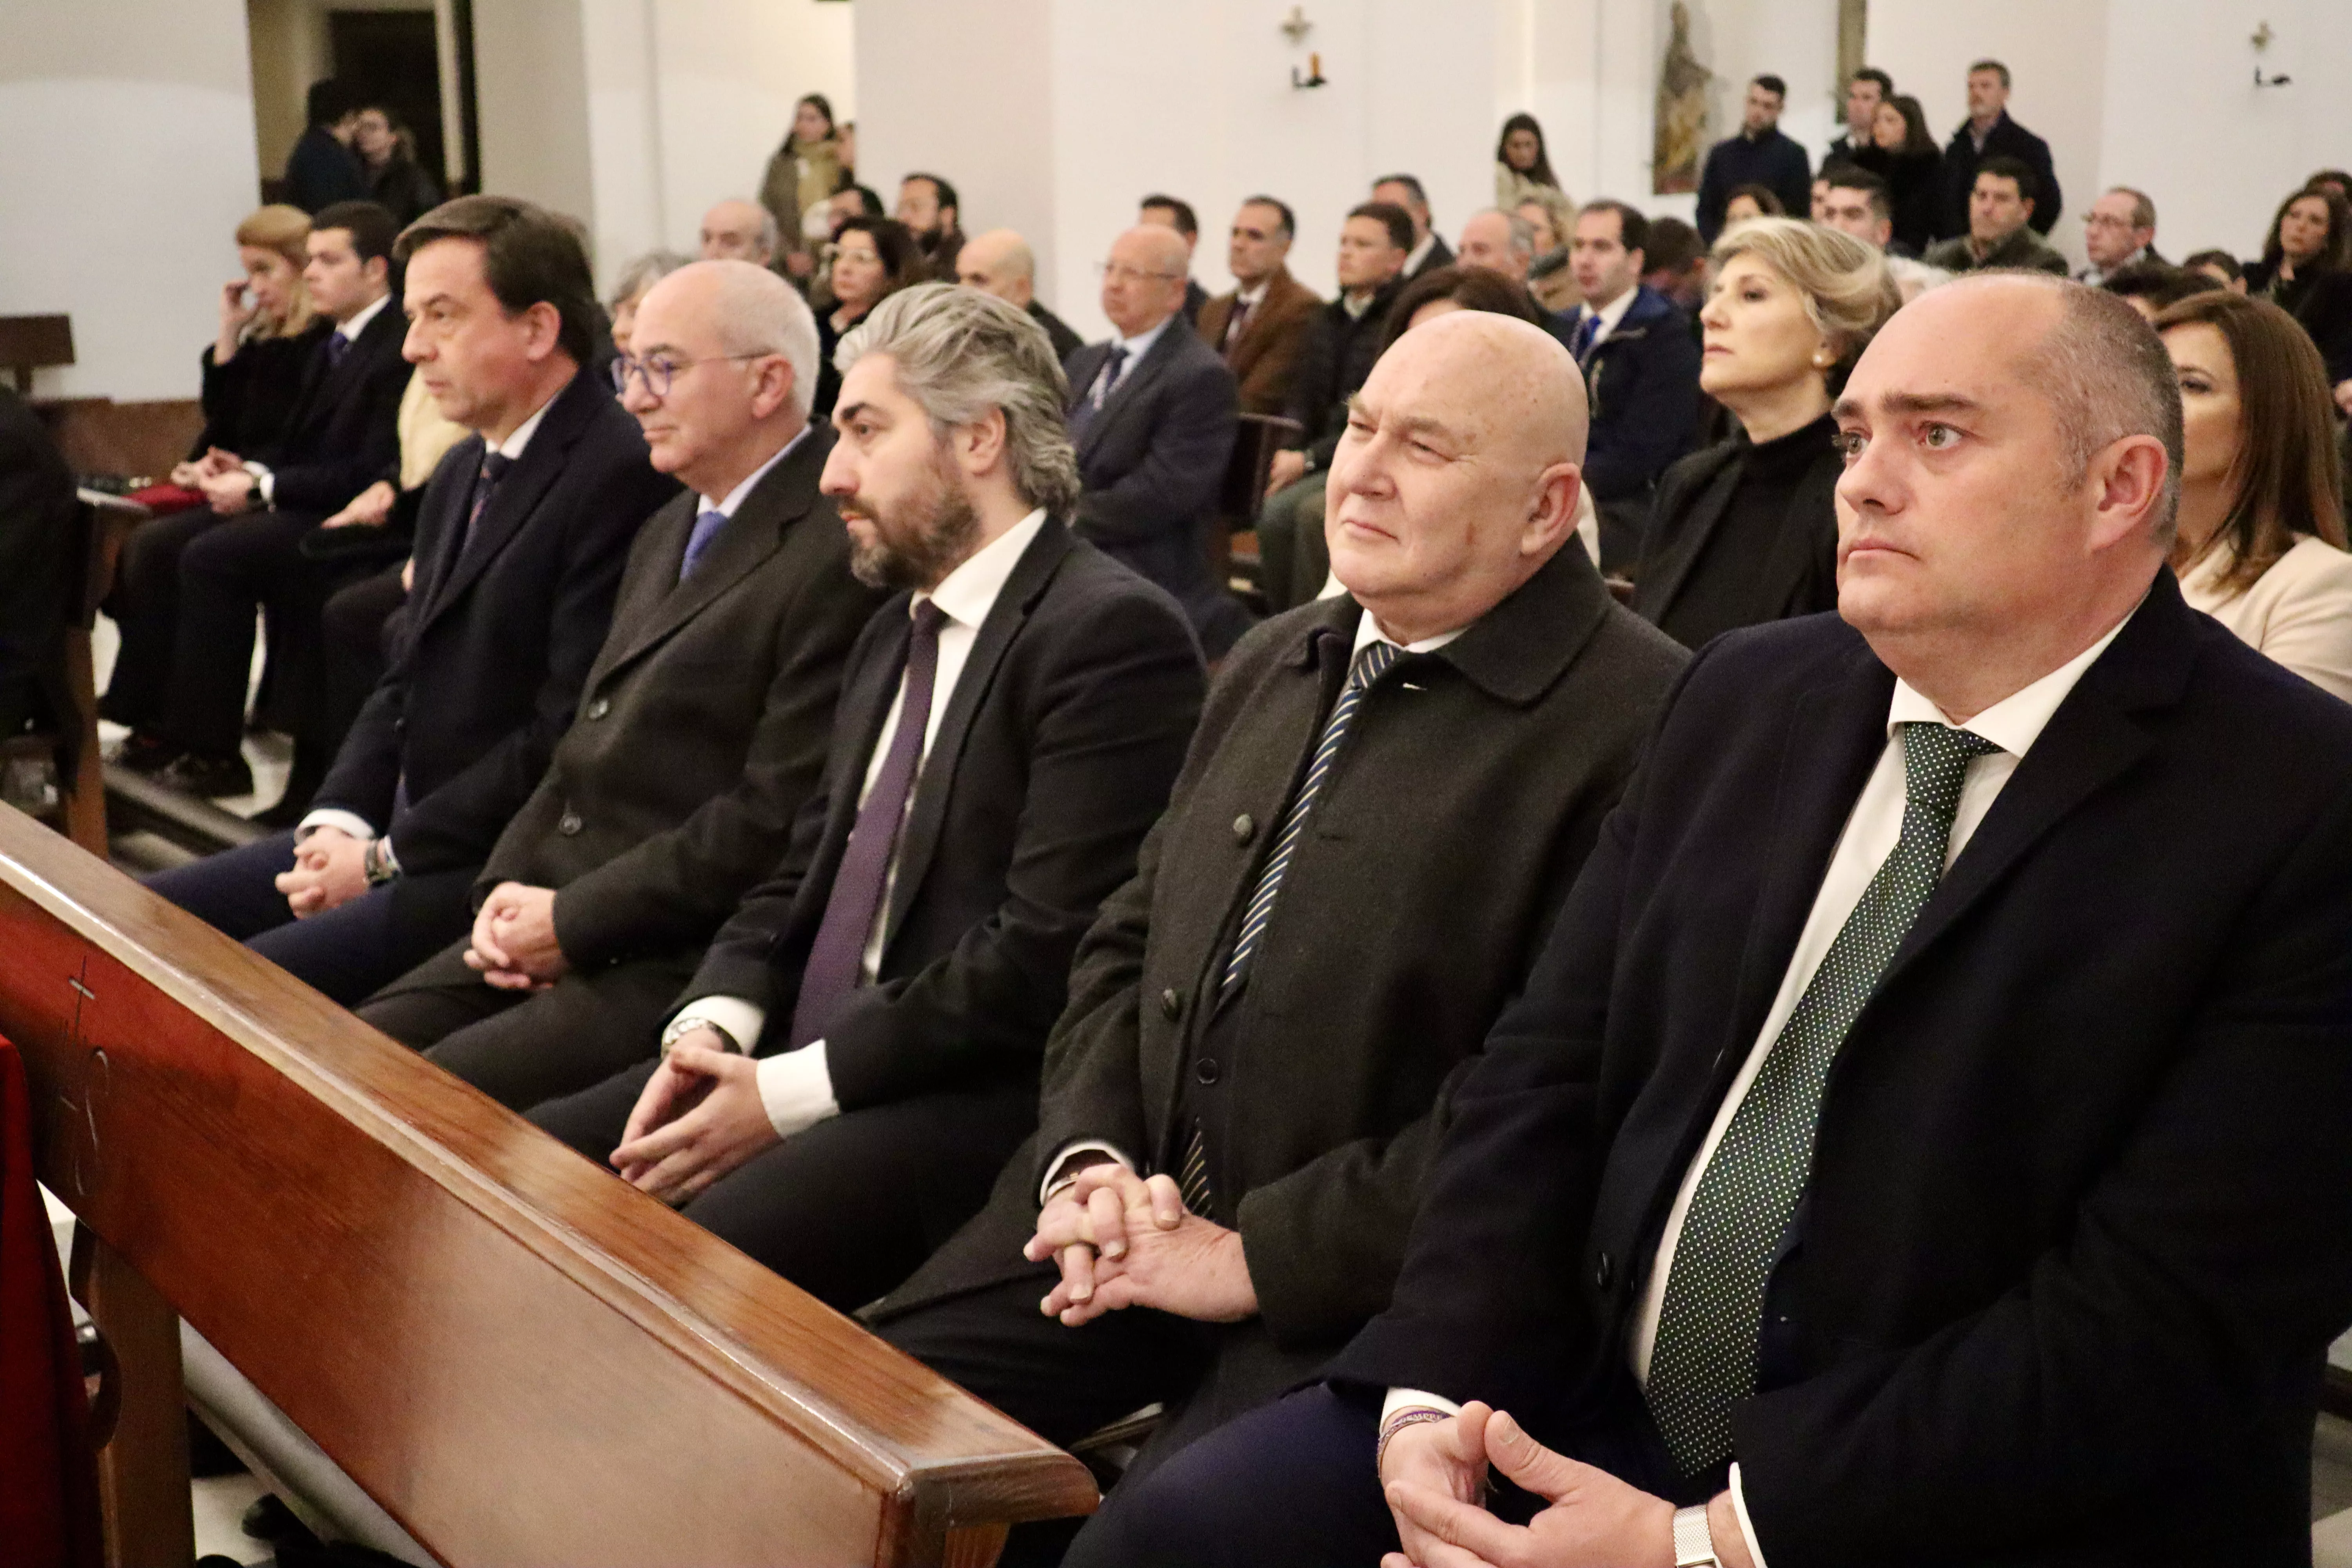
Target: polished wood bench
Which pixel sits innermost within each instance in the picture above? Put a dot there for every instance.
(521, 1359)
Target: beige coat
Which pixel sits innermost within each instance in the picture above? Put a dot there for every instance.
(2299, 612)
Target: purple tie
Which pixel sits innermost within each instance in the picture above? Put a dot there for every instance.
(706, 529)
(838, 954)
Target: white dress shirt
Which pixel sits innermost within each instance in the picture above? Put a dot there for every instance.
(352, 822)
(797, 1087)
(1419, 254)
(733, 500)
(1611, 314)
(265, 482)
(1058, 1175)
(1136, 347)
(1869, 837)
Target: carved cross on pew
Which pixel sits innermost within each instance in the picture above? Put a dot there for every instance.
(81, 1091)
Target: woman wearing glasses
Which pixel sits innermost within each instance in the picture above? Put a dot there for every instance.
(873, 259)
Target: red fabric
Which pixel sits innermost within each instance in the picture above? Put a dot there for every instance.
(48, 1477)
(163, 499)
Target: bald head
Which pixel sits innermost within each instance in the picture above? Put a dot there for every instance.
(1143, 281)
(1000, 263)
(1458, 477)
(739, 231)
(726, 364)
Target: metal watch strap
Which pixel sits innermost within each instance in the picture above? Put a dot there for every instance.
(676, 1033)
(373, 863)
(1694, 1541)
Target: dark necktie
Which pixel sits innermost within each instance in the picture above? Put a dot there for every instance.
(1703, 1361)
(1091, 404)
(706, 529)
(1586, 331)
(1236, 323)
(837, 956)
(1371, 662)
(339, 348)
(486, 485)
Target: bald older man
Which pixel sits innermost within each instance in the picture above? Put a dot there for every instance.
(1927, 1134)
(1153, 413)
(999, 262)
(703, 727)
(1389, 795)
(735, 230)
(1499, 242)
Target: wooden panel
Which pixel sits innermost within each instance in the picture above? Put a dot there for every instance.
(35, 343)
(142, 440)
(519, 1356)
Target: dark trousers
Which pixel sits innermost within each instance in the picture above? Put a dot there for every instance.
(246, 562)
(145, 605)
(351, 647)
(350, 951)
(1294, 558)
(845, 1209)
(523, 1047)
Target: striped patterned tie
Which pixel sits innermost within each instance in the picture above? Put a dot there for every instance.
(1371, 662)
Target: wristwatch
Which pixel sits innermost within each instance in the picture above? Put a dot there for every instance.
(377, 864)
(1693, 1542)
(681, 1027)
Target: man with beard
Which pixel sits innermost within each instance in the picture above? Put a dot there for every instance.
(859, 1052)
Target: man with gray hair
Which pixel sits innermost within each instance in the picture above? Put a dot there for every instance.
(1927, 1132)
(999, 262)
(858, 1052)
(2119, 231)
(738, 230)
(1499, 242)
(702, 729)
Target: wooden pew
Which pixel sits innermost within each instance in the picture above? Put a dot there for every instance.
(521, 1358)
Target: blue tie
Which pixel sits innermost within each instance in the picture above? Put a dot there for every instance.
(339, 348)
(1370, 663)
(706, 529)
(1586, 331)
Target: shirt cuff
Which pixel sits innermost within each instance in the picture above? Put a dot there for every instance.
(1416, 1399)
(265, 483)
(350, 822)
(1747, 1525)
(1054, 1178)
(796, 1090)
(742, 1021)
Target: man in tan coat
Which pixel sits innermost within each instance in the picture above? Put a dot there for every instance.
(1259, 326)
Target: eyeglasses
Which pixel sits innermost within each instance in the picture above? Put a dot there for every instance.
(2105, 220)
(659, 371)
(1120, 273)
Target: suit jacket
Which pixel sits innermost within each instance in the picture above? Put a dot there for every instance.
(2024, 248)
(1642, 383)
(1440, 255)
(1152, 459)
(1470, 791)
(1266, 354)
(345, 425)
(248, 402)
(703, 725)
(1054, 753)
(2007, 139)
(322, 171)
(1775, 160)
(1333, 360)
(1057, 331)
(490, 651)
(1795, 575)
(2079, 1226)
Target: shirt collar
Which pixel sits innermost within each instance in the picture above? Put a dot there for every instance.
(966, 594)
(1140, 344)
(1367, 634)
(1252, 296)
(1413, 257)
(735, 496)
(1615, 312)
(511, 448)
(2016, 721)
(349, 330)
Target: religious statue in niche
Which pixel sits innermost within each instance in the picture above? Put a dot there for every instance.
(1681, 114)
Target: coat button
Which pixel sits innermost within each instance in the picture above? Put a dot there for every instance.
(598, 709)
(1244, 828)
(1205, 1070)
(1171, 1006)
(1603, 1272)
(569, 823)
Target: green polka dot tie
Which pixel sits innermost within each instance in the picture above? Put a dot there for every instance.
(1703, 1361)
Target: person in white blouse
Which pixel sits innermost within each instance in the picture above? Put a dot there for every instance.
(2261, 545)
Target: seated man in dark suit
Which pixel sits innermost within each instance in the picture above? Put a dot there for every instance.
(999, 262)
(519, 545)
(1641, 371)
(858, 1054)
(1153, 414)
(1927, 1135)
(1342, 342)
(703, 726)
(1390, 795)
(343, 433)
(36, 519)
(1262, 324)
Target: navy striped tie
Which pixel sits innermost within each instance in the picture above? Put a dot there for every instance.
(1371, 662)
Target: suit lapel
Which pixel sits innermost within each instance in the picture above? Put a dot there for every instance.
(517, 496)
(745, 543)
(1707, 515)
(1129, 389)
(1031, 576)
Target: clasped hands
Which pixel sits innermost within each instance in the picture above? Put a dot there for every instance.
(1435, 1476)
(513, 945)
(330, 868)
(699, 1117)
(1123, 1240)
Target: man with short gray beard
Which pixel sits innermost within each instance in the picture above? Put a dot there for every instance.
(859, 1052)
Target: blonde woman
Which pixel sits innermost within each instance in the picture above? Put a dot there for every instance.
(1746, 531)
(2260, 541)
(253, 370)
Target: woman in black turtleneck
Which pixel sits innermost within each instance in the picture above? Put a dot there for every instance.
(1746, 531)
